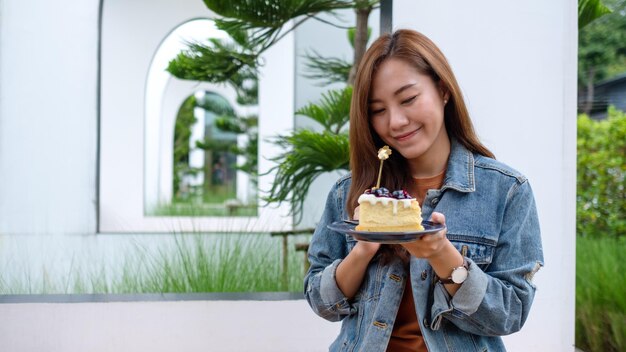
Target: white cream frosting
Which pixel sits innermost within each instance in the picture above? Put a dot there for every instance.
(372, 199)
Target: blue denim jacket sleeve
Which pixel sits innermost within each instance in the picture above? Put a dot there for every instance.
(497, 301)
(326, 251)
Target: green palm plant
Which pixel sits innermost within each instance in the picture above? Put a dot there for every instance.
(309, 154)
(331, 69)
(332, 112)
(589, 10)
(254, 26)
(327, 70)
(264, 21)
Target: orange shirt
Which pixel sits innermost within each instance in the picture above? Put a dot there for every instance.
(406, 334)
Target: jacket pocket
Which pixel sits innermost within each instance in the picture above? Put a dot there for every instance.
(479, 249)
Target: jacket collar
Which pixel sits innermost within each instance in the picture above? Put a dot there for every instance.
(460, 172)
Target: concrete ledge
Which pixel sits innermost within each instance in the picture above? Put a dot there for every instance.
(104, 323)
(271, 322)
(85, 298)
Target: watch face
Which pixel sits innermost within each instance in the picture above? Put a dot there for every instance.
(459, 275)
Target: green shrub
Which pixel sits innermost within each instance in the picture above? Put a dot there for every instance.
(600, 299)
(601, 230)
(601, 194)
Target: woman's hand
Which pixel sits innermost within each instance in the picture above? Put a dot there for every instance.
(351, 270)
(439, 251)
(363, 248)
(429, 246)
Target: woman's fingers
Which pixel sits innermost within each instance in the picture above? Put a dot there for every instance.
(438, 218)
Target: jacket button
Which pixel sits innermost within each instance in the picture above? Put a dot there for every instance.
(434, 201)
(426, 323)
(424, 275)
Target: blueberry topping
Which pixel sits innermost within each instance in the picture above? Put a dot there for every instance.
(383, 192)
(398, 194)
(401, 194)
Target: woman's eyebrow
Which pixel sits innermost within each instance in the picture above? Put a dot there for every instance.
(398, 91)
(403, 88)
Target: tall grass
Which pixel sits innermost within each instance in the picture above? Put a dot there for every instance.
(203, 209)
(601, 294)
(195, 263)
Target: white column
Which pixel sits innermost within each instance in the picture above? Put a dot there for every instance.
(196, 155)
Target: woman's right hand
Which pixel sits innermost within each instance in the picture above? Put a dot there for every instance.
(366, 249)
(351, 270)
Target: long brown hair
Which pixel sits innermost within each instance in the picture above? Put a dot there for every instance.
(423, 54)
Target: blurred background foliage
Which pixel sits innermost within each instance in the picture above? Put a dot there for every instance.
(601, 233)
(601, 193)
(601, 46)
(601, 181)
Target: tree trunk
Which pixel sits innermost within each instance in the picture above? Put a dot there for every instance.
(589, 99)
(360, 40)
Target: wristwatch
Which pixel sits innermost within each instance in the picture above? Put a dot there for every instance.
(459, 274)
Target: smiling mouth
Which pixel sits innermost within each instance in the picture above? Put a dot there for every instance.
(406, 136)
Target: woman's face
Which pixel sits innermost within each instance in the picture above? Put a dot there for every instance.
(406, 111)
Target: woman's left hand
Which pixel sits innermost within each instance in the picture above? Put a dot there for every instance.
(429, 246)
(439, 251)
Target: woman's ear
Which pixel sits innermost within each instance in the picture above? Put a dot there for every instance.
(443, 90)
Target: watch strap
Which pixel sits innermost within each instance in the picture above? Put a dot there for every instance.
(449, 280)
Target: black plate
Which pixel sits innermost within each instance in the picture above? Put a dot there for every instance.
(385, 237)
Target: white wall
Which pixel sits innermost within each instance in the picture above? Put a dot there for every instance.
(189, 326)
(516, 63)
(49, 116)
(48, 92)
(128, 47)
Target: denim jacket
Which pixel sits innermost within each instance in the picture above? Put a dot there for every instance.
(491, 219)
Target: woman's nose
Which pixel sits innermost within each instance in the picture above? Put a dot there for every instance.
(397, 119)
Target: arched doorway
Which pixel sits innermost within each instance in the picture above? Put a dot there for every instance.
(140, 102)
(207, 179)
(198, 176)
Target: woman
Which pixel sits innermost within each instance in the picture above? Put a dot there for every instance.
(457, 290)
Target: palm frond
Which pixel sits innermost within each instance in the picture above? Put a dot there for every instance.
(352, 34)
(263, 20)
(589, 10)
(237, 124)
(246, 86)
(332, 112)
(213, 145)
(216, 62)
(307, 155)
(327, 69)
(220, 61)
(216, 104)
(229, 124)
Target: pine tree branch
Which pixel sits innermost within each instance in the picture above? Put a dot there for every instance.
(330, 23)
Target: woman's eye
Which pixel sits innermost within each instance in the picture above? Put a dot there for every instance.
(376, 111)
(409, 100)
